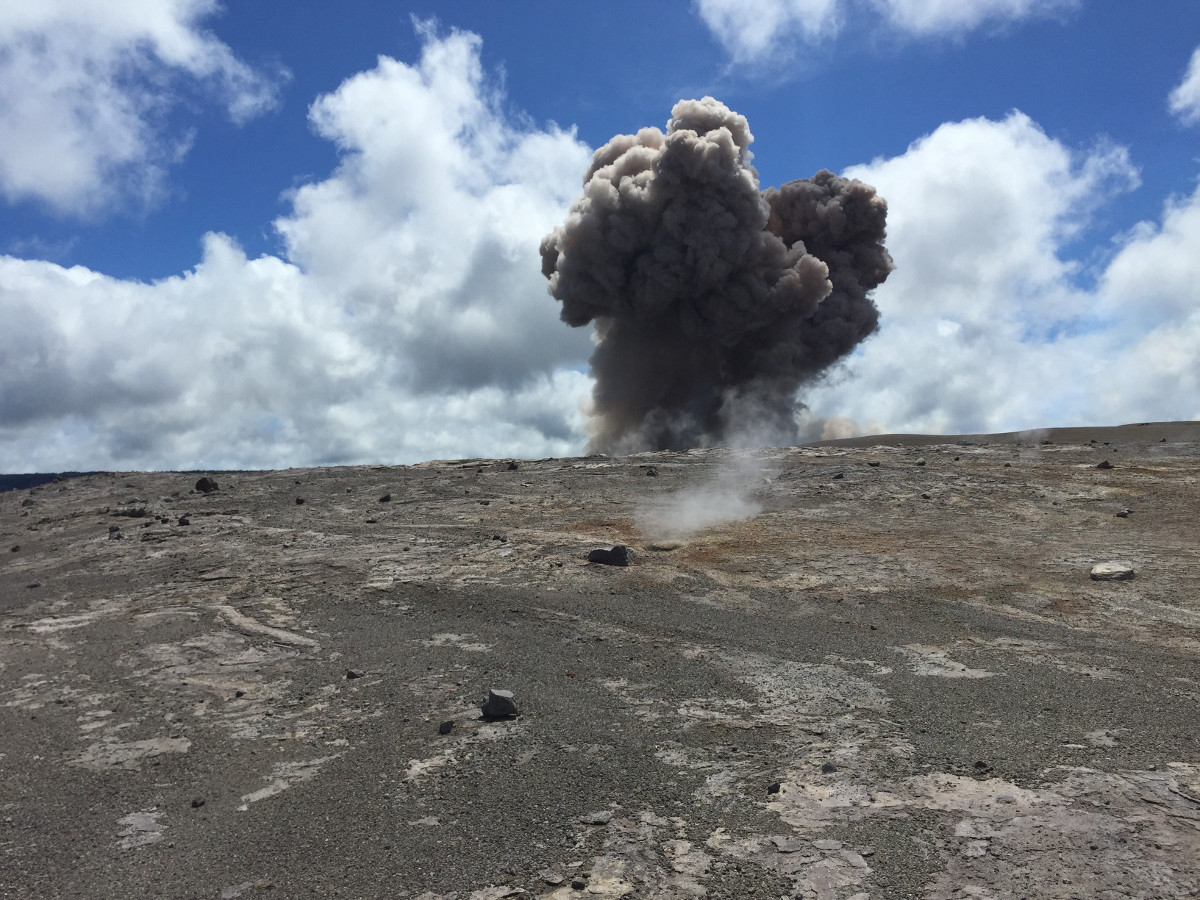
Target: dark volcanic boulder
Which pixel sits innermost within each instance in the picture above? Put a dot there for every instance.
(206, 485)
(617, 556)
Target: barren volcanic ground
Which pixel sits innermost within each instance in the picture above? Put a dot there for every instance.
(891, 677)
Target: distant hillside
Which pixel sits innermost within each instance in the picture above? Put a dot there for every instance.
(24, 481)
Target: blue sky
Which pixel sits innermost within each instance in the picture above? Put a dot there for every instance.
(269, 234)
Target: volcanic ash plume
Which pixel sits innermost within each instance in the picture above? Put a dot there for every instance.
(713, 302)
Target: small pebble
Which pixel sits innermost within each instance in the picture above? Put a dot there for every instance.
(1112, 571)
(445, 727)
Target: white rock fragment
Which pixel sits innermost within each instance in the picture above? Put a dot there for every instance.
(1112, 571)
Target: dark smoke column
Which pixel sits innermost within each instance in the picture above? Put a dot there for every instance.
(713, 302)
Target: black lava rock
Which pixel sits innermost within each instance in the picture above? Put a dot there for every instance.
(617, 556)
(206, 485)
(499, 704)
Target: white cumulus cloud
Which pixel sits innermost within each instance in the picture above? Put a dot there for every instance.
(85, 86)
(761, 31)
(987, 324)
(948, 17)
(407, 320)
(1185, 99)
(754, 30)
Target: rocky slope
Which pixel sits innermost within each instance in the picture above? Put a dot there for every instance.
(872, 669)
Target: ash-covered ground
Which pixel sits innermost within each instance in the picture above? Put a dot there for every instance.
(874, 669)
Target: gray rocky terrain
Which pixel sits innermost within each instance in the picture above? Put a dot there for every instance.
(882, 668)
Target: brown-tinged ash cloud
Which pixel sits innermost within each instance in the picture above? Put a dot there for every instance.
(713, 301)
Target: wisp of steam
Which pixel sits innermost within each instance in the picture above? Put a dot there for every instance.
(713, 301)
(728, 497)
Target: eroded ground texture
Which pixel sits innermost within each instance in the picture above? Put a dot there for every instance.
(877, 671)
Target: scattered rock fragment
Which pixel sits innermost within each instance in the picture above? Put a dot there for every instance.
(617, 556)
(552, 878)
(28, 502)
(14, 548)
(197, 802)
(1123, 513)
(773, 787)
(874, 464)
(512, 466)
(299, 501)
(784, 844)
(839, 476)
(184, 520)
(579, 884)
(1112, 571)
(920, 461)
(446, 727)
(1104, 464)
(206, 485)
(351, 674)
(827, 844)
(601, 817)
(828, 768)
(651, 472)
(498, 704)
(386, 498)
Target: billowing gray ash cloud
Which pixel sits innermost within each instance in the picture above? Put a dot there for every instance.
(714, 302)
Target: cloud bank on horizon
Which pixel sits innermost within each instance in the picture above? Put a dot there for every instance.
(405, 315)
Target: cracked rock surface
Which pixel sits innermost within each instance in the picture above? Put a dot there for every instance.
(827, 672)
